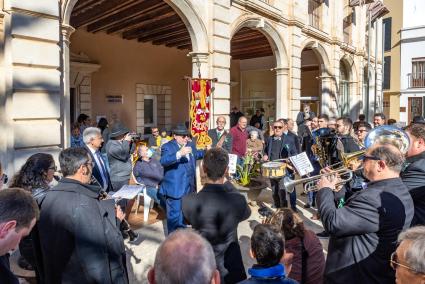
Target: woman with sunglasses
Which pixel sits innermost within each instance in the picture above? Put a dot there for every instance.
(34, 176)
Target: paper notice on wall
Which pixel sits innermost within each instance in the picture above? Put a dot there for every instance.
(302, 164)
(233, 160)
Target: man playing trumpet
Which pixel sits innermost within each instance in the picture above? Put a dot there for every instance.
(363, 233)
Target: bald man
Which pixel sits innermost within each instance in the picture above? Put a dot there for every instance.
(240, 135)
(184, 257)
(363, 233)
(221, 138)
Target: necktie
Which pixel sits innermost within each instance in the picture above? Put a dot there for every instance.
(103, 170)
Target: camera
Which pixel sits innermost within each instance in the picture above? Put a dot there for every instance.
(135, 136)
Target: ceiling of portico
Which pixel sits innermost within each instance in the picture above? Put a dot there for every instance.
(151, 21)
(249, 43)
(156, 22)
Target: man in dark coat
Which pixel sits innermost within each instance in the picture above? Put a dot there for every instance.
(216, 212)
(234, 116)
(364, 231)
(220, 137)
(178, 157)
(93, 140)
(413, 174)
(281, 145)
(79, 234)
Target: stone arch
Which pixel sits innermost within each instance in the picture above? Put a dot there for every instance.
(321, 53)
(280, 54)
(273, 36)
(194, 24)
(349, 62)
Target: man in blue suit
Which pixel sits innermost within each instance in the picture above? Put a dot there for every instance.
(178, 157)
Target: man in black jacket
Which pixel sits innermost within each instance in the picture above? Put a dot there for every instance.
(216, 212)
(413, 174)
(79, 234)
(281, 145)
(364, 231)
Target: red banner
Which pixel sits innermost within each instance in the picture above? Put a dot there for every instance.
(200, 107)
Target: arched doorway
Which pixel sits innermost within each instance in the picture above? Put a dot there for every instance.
(316, 82)
(259, 70)
(141, 48)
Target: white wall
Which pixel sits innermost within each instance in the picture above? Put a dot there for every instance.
(413, 13)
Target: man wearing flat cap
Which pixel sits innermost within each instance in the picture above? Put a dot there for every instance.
(178, 157)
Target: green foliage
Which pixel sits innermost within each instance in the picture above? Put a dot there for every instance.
(247, 170)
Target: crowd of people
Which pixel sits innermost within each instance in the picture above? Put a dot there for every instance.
(70, 230)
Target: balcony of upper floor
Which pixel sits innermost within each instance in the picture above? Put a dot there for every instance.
(416, 80)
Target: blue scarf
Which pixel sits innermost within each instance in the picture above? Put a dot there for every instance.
(277, 271)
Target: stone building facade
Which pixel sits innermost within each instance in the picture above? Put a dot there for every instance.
(52, 71)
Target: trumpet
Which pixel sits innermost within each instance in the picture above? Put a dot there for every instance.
(310, 182)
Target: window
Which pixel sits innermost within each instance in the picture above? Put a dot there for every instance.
(314, 13)
(418, 73)
(347, 22)
(387, 73)
(386, 23)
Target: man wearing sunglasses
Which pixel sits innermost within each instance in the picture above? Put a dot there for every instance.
(282, 144)
(413, 174)
(178, 157)
(408, 260)
(363, 233)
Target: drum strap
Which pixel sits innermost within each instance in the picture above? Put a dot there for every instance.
(221, 141)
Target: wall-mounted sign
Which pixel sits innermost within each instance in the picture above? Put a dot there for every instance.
(114, 99)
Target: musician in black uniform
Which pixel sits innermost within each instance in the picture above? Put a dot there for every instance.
(282, 144)
(413, 173)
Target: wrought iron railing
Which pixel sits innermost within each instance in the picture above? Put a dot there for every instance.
(416, 80)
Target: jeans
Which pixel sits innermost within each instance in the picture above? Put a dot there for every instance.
(152, 192)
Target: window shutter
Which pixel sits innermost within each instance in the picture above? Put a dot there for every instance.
(387, 73)
(387, 23)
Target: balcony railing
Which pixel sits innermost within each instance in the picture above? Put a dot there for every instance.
(314, 13)
(416, 80)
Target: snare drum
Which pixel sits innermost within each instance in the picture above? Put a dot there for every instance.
(273, 169)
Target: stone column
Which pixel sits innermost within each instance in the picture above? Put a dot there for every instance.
(67, 31)
(199, 64)
(282, 93)
(326, 100)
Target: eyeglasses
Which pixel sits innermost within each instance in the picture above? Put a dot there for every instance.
(4, 178)
(395, 264)
(369, 157)
(155, 131)
(183, 136)
(361, 130)
(277, 127)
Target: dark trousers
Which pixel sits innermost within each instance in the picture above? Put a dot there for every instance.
(174, 214)
(279, 195)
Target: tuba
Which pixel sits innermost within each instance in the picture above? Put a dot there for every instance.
(388, 134)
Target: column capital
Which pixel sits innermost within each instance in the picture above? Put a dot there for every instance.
(67, 31)
(199, 56)
(281, 71)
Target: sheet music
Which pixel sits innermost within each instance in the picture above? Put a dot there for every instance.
(128, 192)
(233, 160)
(302, 164)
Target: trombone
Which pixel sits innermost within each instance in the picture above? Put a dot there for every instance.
(311, 182)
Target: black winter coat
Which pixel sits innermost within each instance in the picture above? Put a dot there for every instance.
(364, 232)
(79, 237)
(413, 177)
(216, 212)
